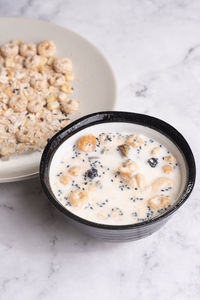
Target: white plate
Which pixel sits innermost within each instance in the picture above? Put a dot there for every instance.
(95, 84)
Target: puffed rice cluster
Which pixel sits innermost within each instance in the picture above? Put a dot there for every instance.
(35, 95)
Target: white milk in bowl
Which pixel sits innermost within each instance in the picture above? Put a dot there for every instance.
(117, 173)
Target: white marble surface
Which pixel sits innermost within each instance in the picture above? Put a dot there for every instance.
(154, 48)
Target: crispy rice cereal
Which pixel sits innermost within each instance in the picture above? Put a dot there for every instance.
(34, 95)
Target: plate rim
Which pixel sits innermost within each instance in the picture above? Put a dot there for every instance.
(115, 86)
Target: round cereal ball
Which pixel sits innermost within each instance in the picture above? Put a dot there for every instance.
(79, 198)
(24, 135)
(62, 65)
(32, 61)
(69, 106)
(9, 50)
(56, 79)
(27, 49)
(46, 48)
(19, 61)
(35, 105)
(18, 103)
(39, 82)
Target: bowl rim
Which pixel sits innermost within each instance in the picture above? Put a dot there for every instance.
(122, 117)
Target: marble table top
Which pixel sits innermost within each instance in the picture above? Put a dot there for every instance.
(154, 48)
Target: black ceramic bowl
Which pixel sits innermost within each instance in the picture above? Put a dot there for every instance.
(118, 233)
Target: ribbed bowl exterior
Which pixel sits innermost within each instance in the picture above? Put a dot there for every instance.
(118, 236)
